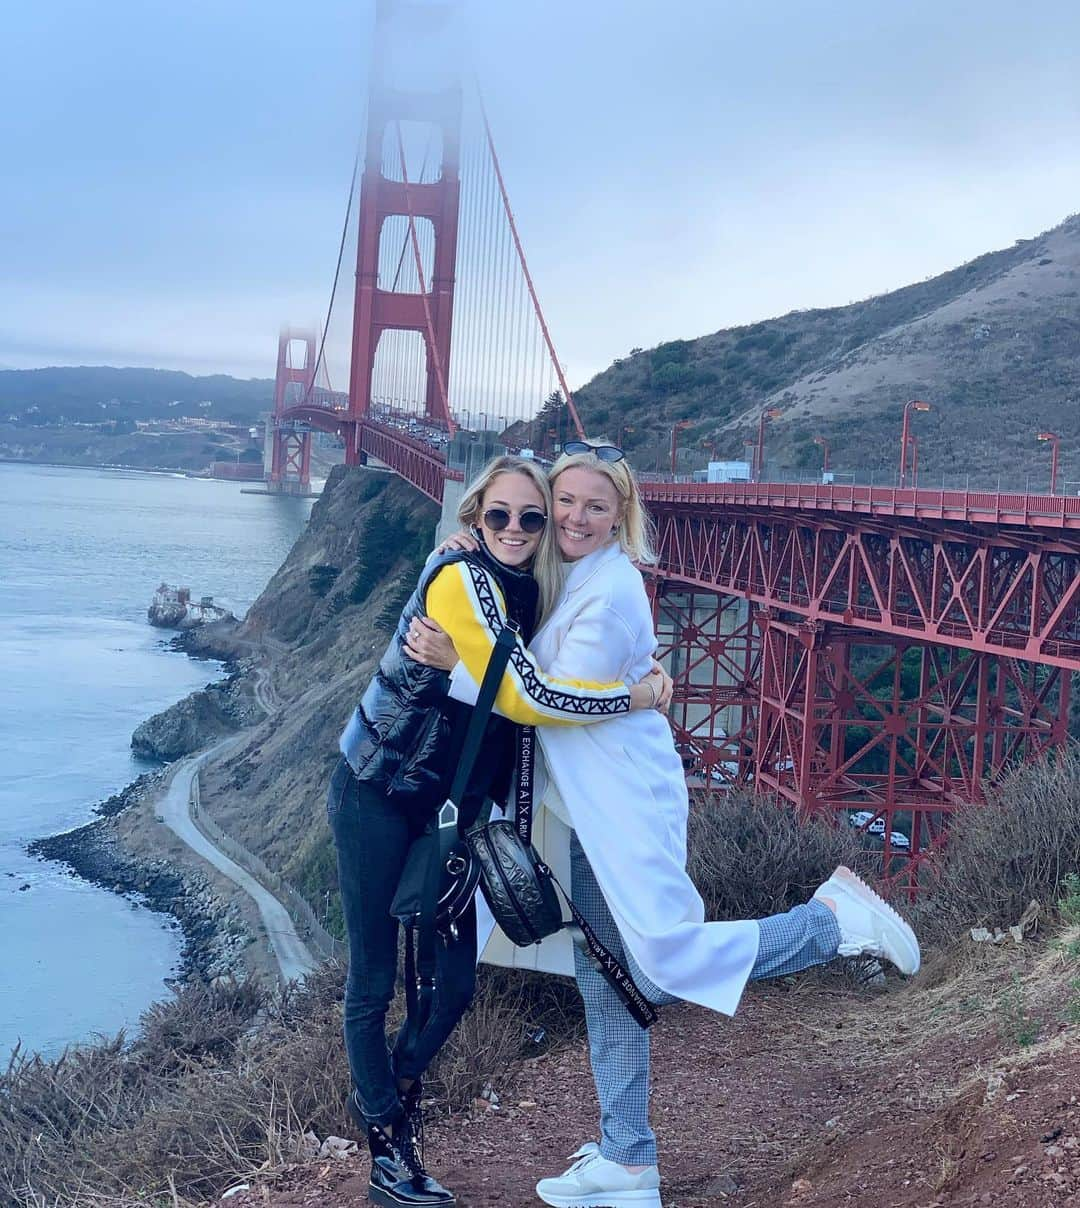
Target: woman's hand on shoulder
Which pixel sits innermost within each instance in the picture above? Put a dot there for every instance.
(428, 643)
(463, 542)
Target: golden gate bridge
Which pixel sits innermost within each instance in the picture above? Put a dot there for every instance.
(874, 653)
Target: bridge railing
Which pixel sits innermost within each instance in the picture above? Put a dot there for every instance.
(421, 457)
(973, 507)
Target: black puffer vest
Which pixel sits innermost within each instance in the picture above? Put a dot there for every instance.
(405, 734)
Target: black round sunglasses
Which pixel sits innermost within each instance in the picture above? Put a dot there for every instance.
(600, 452)
(531, 521)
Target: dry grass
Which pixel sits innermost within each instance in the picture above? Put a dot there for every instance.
(1016, 848)
(223, 1081)
(749, 857)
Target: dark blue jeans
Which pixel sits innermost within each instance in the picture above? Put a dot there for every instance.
(373, 837)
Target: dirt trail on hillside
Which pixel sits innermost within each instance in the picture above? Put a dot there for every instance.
(931, 1095)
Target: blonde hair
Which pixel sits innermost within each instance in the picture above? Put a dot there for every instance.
(547, 568)
(635, 529)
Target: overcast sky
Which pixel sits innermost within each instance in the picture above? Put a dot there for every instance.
(174, 176)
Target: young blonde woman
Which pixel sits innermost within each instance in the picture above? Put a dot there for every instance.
(621, 789)
(398, 755)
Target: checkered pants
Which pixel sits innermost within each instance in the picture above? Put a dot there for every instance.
(619, 1048)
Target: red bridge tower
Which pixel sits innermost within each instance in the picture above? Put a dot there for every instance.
(389, 191)
(289, 471)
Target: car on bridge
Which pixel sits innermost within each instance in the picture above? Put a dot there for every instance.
(872, 824)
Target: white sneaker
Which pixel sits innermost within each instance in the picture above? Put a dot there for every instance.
(868, 924)
(594, 1182)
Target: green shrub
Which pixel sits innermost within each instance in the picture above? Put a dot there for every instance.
(372, 486)
(672, 377)
(321, 577)
(674, 352)
(315, 875)
(380, 548)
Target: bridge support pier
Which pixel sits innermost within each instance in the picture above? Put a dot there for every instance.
(290, 461)
(288, 454)
(467, 454)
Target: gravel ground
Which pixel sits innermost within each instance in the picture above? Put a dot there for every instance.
(960, 1088)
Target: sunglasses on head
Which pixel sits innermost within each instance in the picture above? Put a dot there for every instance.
(600, 452)
(531, 521)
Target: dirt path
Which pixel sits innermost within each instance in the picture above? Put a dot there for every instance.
(816, 1095)
(293, 957)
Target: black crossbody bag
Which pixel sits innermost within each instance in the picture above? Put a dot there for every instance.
(444, 867)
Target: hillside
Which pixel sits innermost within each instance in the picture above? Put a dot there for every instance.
(993, 345)
(94, 393)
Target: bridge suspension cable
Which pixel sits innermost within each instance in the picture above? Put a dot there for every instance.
(527, 276)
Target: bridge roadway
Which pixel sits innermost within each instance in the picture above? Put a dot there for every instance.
(994, 573)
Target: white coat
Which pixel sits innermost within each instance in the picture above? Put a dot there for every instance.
(620, 784)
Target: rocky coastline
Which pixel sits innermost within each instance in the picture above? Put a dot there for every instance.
(215, 935)
(219, 641)
(197, 721)
(201, 718)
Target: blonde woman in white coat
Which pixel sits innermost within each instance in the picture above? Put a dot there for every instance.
(620, 788)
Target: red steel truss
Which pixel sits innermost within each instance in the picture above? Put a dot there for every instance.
(414, 460)
(709, 646)
(993, 588)
(900, 731)
(902, 660)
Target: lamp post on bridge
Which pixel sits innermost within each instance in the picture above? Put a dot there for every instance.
(915, 404)
(623, 428)
(820, 440)
(682, 423)
(1054, 440)
(759, 452)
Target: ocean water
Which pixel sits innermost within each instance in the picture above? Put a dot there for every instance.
(81, 552)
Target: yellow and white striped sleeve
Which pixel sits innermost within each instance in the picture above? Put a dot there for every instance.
(465, 601)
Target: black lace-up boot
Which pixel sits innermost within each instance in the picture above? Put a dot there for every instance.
(414, 1113)
(398, 1177)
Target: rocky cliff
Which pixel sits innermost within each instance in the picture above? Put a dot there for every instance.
(316, 633)
(199, 719)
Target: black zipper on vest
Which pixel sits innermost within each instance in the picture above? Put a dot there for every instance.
(530, 930)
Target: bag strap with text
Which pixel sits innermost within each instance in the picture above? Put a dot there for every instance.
(582, 934)
(420, 971)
